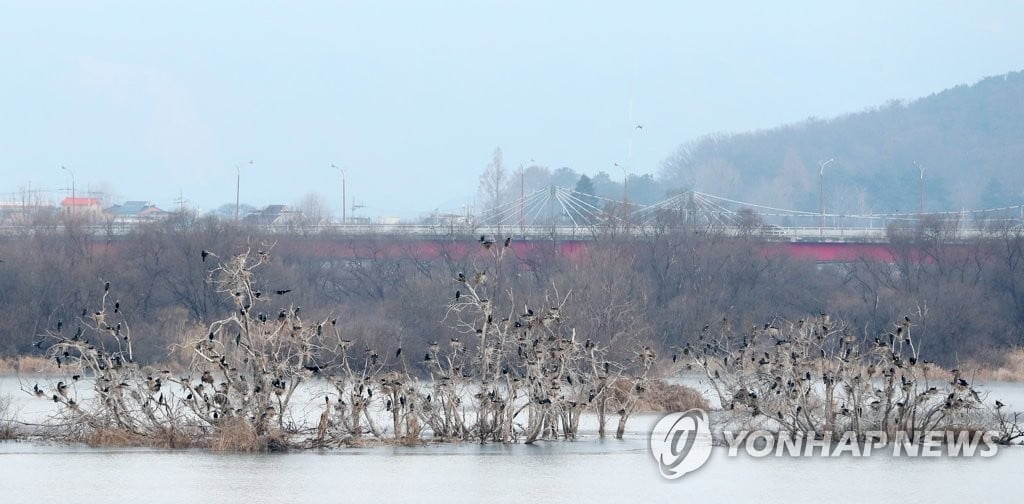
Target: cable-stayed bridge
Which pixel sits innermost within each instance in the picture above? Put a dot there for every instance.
(561, 212)
(571, 219)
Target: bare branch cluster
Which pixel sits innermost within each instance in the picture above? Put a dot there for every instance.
(814, 376)
(256, 379)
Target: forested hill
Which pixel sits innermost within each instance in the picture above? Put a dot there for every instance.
(969, 139)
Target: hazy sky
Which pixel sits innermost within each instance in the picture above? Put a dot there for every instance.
(151, 102)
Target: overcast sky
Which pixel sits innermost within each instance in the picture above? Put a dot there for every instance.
(412, 97)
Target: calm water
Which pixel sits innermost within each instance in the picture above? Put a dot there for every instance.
(590, 470)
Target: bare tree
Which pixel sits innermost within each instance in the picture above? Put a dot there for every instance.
(493, 182)
(315, 209)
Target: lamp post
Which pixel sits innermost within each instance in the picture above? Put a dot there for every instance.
(238, 187)
(344, 215)
(920, 203)
(821, 194)
(72, 173)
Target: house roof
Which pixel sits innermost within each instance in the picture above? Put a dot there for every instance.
(80, 202)
(273, 214)
(130, 208)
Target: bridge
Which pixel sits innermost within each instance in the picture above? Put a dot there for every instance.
(571, 219)
(562, 213)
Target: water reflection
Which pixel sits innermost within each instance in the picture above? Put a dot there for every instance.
(591, 470)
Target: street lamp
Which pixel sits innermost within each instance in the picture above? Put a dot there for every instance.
(238, 186)
(821, 194)
(343, 199)
(72, 205)
(920, 205)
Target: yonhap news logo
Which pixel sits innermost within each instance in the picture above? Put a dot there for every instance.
(681, 442)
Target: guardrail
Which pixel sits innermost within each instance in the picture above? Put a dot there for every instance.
(795, 234)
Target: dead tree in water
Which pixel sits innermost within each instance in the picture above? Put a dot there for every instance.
(814, 376)
(513, 369)
(523, 360)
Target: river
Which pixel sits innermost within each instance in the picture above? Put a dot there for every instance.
(587, 470)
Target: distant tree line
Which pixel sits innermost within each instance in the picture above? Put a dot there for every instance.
(657, 288)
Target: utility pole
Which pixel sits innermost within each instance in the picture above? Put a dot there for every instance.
(180, 201)
(821, 195)
(238, 187)
(344, 215)
(71, 207)
(920, 204)
(633, 128)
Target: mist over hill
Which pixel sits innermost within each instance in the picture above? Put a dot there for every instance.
(969, 140)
